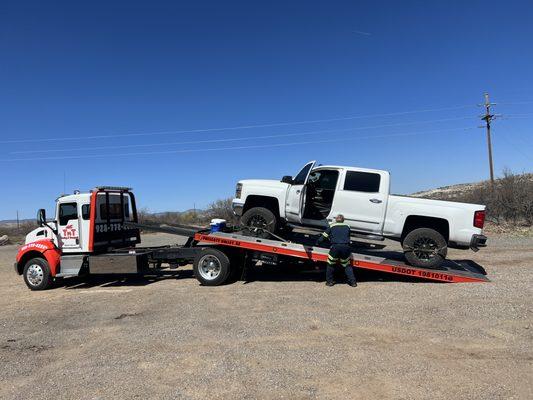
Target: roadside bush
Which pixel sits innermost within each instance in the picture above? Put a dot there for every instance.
(17, 235)
(218, 209)
(221, 209)
(509, 201)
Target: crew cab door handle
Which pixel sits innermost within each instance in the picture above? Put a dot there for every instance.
(376, 201)
(298, 192)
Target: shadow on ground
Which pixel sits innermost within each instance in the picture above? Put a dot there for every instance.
(253, 274)
(92, 281)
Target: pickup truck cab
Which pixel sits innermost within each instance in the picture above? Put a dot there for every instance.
(314, 196)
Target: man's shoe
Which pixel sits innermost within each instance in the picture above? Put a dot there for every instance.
(330, 283)
(352, 284)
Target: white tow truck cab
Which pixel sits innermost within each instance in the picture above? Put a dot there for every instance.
(314, 196)
(85, 224)
(71, 231)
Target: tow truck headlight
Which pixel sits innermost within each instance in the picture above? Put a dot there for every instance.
(238, 191)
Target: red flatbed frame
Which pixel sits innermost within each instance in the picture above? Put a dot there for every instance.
(450, 271)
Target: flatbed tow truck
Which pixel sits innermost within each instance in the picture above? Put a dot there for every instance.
(98, 233)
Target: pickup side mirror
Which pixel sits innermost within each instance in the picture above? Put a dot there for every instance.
(41, 217)
(287, 179)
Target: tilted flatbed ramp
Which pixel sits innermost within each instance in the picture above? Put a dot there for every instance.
(450, 271)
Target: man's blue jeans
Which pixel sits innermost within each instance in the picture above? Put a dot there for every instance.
(340, 253)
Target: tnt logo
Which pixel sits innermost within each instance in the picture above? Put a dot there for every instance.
(69, 232)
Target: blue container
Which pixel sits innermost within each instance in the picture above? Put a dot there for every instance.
(217, 225)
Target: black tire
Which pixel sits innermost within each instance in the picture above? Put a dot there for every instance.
(36, 274)
(258, 221)
(425, 248)
(212, 267)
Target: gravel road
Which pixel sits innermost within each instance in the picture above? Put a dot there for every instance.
(283, 335)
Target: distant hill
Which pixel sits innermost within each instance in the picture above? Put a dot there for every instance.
(509, 202)
(191, 210)
(463, 191)
(13, 222)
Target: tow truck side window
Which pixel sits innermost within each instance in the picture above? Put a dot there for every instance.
(86, 211)
(67, 212)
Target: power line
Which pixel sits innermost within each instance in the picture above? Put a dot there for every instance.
(231, 127)
(237, 139)
(517, 148)
(518, 115)
(515, 102)
(234, 148)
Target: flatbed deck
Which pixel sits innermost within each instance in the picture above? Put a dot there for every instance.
(222, 257)
(451, 271)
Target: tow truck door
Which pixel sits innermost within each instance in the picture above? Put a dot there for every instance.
(68, 227)
(294, 206)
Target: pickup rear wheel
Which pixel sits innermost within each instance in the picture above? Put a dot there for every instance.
(425, 248)
(259, 221)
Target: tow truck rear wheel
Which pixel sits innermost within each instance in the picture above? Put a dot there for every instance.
(37, 274)
(425, 248)
(258, 221)
(211, 267)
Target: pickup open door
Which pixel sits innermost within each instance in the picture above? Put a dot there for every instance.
(294, 206)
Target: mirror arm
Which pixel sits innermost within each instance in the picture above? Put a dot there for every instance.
(55, 230)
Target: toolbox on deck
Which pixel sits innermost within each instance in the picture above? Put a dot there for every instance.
(118, 263)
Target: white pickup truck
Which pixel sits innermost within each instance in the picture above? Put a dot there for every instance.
(312, 198)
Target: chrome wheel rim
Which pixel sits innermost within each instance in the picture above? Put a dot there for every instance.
(35, 275)
(209, 267)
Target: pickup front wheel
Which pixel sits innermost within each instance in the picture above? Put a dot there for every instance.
(425, 248)
(258, 221)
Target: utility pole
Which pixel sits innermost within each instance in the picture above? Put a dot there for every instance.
(488, 117)
(18, 223)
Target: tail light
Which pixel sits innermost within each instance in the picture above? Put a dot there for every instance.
(479, 219)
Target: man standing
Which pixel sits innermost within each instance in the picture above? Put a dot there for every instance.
(340, 251)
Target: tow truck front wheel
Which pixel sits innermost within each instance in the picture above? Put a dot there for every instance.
(37, 274)
(425, 248)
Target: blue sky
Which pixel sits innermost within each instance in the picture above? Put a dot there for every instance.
(106, 93)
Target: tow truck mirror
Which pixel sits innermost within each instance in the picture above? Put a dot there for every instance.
(287, 179)
(41, 217)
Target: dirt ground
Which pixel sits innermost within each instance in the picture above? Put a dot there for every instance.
(283, 335)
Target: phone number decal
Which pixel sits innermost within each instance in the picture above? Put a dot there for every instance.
(104, 228)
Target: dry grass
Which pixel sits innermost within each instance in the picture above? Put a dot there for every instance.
(509, 202)
(17, 235)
